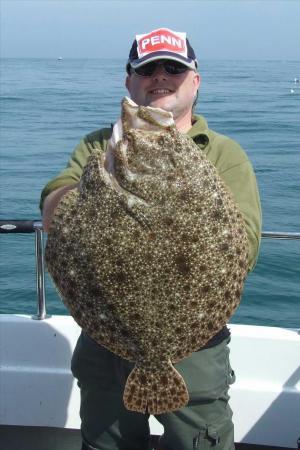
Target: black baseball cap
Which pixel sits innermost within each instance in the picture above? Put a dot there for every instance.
(162, 43)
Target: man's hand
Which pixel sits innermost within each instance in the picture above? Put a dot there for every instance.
(51, 203)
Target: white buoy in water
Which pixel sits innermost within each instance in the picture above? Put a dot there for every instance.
(296, 80)
(292, 91)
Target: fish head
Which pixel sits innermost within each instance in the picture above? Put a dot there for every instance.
(145, 150)
(144, 118)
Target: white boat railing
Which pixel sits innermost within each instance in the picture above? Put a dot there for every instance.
(36, 226)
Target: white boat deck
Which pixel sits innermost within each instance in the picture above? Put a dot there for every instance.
(37, 388)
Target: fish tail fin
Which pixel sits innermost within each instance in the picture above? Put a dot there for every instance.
(155, 391)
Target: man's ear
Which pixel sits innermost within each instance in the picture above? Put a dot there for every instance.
(197, 80)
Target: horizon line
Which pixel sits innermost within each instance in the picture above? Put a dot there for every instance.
(60, 58)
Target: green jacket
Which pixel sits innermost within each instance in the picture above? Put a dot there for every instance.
(227, 156)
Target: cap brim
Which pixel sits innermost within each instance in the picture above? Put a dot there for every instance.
(190, 63)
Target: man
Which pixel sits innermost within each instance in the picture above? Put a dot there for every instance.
(162, 72)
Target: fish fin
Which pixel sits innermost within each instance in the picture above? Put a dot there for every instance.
(155, 391)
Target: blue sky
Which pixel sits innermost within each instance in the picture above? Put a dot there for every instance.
(217, 29)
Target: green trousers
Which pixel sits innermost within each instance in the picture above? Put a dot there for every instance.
(107, 425)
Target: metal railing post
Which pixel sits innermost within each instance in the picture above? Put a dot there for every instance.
(40, 272)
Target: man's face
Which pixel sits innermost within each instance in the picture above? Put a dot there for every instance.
(174, 93)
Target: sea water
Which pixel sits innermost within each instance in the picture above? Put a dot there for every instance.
(48, 105)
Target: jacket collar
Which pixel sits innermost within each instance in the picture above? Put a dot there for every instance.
(199, 131)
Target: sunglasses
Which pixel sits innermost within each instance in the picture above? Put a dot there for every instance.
(170, 67)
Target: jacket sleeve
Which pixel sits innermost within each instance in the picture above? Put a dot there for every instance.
(72, 172)
(240, 179)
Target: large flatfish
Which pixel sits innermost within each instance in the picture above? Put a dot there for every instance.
(150, 253)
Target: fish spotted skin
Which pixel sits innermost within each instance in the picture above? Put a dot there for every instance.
(149, 255)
